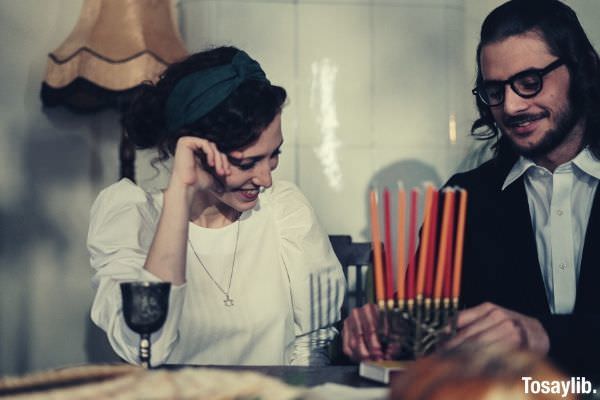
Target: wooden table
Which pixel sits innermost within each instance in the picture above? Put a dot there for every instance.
(305, 376)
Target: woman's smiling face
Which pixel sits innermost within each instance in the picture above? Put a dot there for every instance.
(251, 168)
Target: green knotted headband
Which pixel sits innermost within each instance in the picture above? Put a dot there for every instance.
(200, 92)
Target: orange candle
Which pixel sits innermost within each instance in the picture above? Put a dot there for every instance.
(400, 244)
(458, 249)
(423, 250)
(450, 251)
(443, 251)
(376, 241)
(389, 276)
(412, 244)
(432, 245)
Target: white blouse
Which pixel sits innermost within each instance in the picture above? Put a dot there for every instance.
(287, 284)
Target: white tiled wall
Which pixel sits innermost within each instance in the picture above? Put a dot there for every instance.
(372, 87)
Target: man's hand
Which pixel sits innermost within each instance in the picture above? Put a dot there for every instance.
(359, 334)
(488, 323)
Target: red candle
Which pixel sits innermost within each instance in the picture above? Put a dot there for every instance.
(443, 248)
(458, 253)
(376, 249)
(412, 239)
(450, 252)
(400, 244)
(389, 277)
(432, 245)
(425, 240)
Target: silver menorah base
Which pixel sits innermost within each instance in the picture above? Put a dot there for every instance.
(415, 330)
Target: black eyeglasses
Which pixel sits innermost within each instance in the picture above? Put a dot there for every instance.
(526, 84)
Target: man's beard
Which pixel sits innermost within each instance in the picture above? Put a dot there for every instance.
(553, 138)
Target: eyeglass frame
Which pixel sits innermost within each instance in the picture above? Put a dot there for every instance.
(539, 72)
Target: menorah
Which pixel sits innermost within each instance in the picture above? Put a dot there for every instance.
(422, 312)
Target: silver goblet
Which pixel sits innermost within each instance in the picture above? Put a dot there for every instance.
(145, 306)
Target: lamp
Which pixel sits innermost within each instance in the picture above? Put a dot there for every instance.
(115, 46)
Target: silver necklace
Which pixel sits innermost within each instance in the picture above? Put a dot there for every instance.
(228, 300)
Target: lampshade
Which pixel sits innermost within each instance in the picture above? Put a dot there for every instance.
(114, 47)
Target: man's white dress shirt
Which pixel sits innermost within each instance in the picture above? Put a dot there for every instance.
(559, 205)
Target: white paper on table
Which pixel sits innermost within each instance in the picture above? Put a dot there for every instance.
(336, 391)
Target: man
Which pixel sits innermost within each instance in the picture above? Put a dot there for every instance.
(532, 246)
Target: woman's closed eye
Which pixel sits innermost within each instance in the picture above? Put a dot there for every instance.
(276, 153)
(246, 166)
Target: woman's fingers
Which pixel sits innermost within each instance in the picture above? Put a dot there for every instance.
(214, 158)
(210, 151)
(219, 166)
(354, 345)
(226, 164)
(198, 165)
(368, 322)
(359, 336)
(218, 160)
(350, 335)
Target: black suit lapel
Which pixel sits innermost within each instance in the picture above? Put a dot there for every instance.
(523, 276)
(589, 273)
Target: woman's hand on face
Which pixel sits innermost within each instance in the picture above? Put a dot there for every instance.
(190, 172)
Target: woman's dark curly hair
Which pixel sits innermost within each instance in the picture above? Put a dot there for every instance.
(558, 25)
(235, 123)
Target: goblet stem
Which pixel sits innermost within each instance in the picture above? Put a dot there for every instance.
(145, 350)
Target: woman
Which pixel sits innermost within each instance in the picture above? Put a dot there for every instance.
(254, 278)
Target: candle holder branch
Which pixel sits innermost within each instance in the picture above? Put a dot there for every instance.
(415, 331)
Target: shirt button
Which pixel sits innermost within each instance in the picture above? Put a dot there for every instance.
(559, 212)
(562, 266)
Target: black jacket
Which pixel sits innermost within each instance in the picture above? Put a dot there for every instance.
(501, 266)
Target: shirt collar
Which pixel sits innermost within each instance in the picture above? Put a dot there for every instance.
(585, 161)
(520, 167)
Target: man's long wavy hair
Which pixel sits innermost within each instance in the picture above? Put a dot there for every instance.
(558, 26)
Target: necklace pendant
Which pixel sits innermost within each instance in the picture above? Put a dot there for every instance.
(228, 301)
